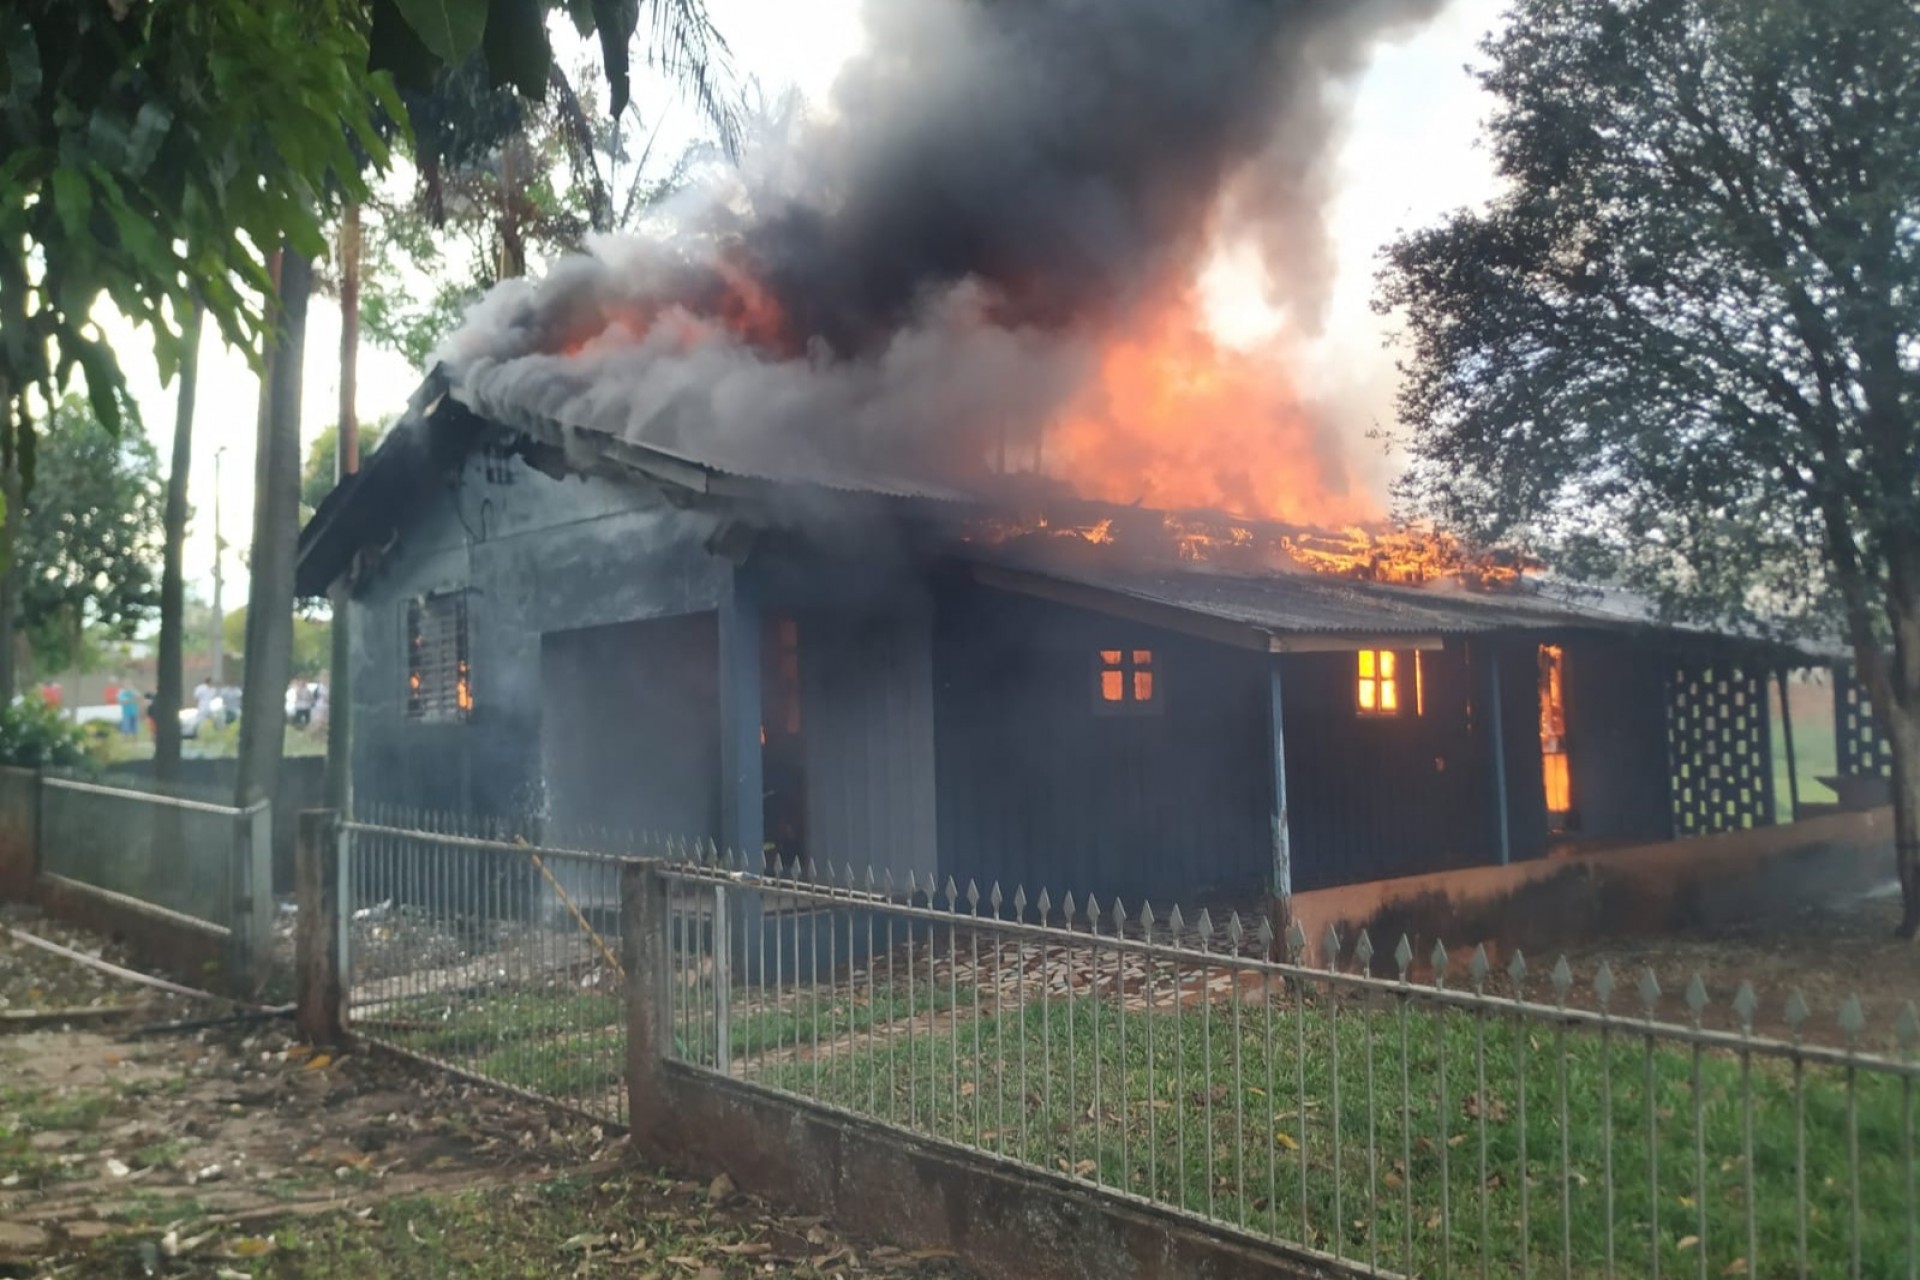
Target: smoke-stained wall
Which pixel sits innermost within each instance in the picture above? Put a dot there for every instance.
(533, 554)
(630, 730)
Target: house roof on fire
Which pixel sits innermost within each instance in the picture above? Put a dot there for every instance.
(1277, 609)
(1293, 610)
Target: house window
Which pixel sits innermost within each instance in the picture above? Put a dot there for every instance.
(439, 677)
(1125, 680)
(498, 465)
(1377, 686)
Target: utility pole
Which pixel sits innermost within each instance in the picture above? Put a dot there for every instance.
(219, 554)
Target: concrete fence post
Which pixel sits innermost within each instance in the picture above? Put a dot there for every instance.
(19, 833)
(250, 912)
(320, 993)
(644, 953)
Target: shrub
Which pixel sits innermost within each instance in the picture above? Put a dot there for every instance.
(34, 736)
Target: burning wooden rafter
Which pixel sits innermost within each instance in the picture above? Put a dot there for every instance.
(1402, 555)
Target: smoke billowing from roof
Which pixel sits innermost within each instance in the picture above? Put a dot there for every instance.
(1006, 192)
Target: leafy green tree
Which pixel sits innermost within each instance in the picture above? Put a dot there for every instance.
(312, 642)
(318, 476)
(152, 151)
(1682, 348)
(89, 545)
(420, 40)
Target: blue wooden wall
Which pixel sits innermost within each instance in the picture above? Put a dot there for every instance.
(1374, 797)
(1037, 788)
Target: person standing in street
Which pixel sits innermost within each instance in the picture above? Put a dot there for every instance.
(202, 705)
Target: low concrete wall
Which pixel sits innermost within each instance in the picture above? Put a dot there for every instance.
(1003, 1219)
(190, 950)
(1557, 901)
(303, 785)
(1006, 1220)
(19, 833)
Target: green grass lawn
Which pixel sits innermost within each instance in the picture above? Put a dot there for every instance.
(563, 1045)
(1265, 1122)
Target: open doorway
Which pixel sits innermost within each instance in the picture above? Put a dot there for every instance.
(1555, 770)
(783, 755)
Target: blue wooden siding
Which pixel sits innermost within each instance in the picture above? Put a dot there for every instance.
(1038, 789)
(867, 726)
(1379, 796)
(1617, 740)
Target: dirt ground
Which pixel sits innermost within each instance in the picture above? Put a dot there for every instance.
(1826, 952)
(132, 1148)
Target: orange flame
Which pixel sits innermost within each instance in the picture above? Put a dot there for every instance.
(1403, 555)
(738, 304)
(1175, 421)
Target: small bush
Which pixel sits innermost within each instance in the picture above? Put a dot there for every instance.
(34, 736)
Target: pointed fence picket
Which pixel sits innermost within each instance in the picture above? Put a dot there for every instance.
(1471, 1119)
(1356, 1103)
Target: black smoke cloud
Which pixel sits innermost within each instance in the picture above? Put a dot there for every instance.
(997, 184)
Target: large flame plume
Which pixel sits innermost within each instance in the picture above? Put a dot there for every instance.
(983, 263)
(1175, 420)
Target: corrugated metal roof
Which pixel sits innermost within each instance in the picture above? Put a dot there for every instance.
(1285, 602)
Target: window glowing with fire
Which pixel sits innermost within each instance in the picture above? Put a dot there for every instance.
(1124, 680)
(1377, 686)
(439, 676)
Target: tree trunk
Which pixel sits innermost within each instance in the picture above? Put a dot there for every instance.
(171, 682)
(9, 522)
(276, 530)
(346, 451)
(1902, 728)
(346, 457)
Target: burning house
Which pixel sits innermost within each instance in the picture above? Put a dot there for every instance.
(586, 632)
(905, 513)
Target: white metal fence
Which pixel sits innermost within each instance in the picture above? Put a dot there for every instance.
(471, 948)
(1401, 1114)
(1395, 1113)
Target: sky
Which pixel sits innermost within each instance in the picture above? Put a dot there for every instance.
(1410, 154)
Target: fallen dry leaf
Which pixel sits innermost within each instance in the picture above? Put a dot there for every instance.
(1738, 1267)
(1687, 1242)
(720, 1188)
